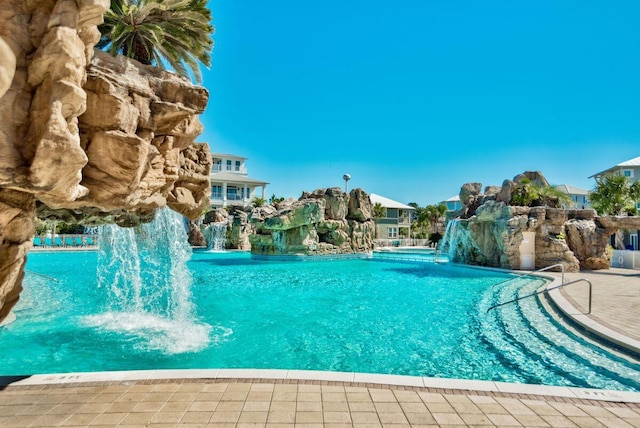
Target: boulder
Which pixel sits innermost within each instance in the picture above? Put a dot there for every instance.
(360, 206)
(469, 191)
(336, 202)
(302, 213)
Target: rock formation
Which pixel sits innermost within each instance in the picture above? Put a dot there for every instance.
(325, 221)
(88, 138)
(489, 230)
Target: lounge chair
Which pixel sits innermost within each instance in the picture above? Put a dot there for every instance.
(37, 242)
(47, 242)
(78, 241)
(68, 242)
(57, 242)
(88, 240)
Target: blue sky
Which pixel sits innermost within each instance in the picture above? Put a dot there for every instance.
(416, 98)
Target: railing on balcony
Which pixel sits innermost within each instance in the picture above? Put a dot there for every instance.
(223, 168)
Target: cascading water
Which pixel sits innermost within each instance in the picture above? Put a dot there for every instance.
(144, 269)
(449, 241)
(216, 236)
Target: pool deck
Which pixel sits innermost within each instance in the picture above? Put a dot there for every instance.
(299, 399)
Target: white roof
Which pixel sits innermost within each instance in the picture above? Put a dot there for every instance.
(388, 203)
(455, 198)
(627, 163)
(225, 155)
(571, 190)
(235, 178)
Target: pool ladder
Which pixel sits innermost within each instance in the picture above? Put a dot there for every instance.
(562, 284)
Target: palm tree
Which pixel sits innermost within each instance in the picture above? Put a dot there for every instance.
(378, 212)
(552, 197)
(158, 32)
(434, 213)
(614, 195)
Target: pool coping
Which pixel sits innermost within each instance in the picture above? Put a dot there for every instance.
(349, 378)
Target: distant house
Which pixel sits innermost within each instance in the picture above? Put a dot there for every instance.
(579, 197)
(397, 217)
(230, 184)
(452, 204)
(630, 169)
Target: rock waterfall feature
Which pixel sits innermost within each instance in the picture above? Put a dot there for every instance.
(488, 231)
(323, 222)
(84, 137)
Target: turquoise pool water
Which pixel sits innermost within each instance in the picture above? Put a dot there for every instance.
(370, 315)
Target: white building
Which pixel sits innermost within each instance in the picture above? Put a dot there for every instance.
(230, 184)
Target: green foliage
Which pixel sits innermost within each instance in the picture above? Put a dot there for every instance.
(379, 211)
(70, 229)
(614, 195)
(159, 32)
(528, 194)
(275, 200)
(258, 202)
(435, 237)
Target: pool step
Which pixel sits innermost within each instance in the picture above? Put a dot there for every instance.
(525, 328)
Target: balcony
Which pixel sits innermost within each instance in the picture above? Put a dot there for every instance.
(223, 168)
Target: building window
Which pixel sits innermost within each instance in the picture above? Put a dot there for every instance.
(217, 165)
(232, 194)
(216, 192)
(237, 165)
(627, 173)
(228, 165)
(392, 232)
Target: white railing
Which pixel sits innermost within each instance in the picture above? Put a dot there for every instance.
(223, 168)
(49, 241)
(626, 259)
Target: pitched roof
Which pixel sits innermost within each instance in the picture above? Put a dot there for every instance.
(455, 198)
(235, 178)
(388, 203)
(627, 163)
(571, 190)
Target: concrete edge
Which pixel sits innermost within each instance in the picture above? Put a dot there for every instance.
(311, 375)
(592, 326)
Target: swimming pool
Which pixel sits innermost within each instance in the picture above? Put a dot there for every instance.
(364, 315)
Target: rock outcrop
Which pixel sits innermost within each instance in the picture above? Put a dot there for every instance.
(488, 230)
(325, 221)
(88, 137)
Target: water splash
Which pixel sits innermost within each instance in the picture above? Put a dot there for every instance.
(216, 236)
(145, 272)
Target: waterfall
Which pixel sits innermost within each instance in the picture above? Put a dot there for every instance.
(144, 271)
(449, 242)
(216, 236)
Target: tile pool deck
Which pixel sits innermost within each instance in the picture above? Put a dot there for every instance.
(276, 398)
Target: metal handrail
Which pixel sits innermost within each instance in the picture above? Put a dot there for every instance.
(520, 275)
(547, 290)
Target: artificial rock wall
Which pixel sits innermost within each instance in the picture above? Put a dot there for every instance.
(325, 221)
(86, 137)
(489, 230)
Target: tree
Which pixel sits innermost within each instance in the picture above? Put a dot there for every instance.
(258, 202)
(435, 213)
(551, 196)
(613, 195)
(378, 212)
(275, 200)
(529, 194)
(159, 32)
